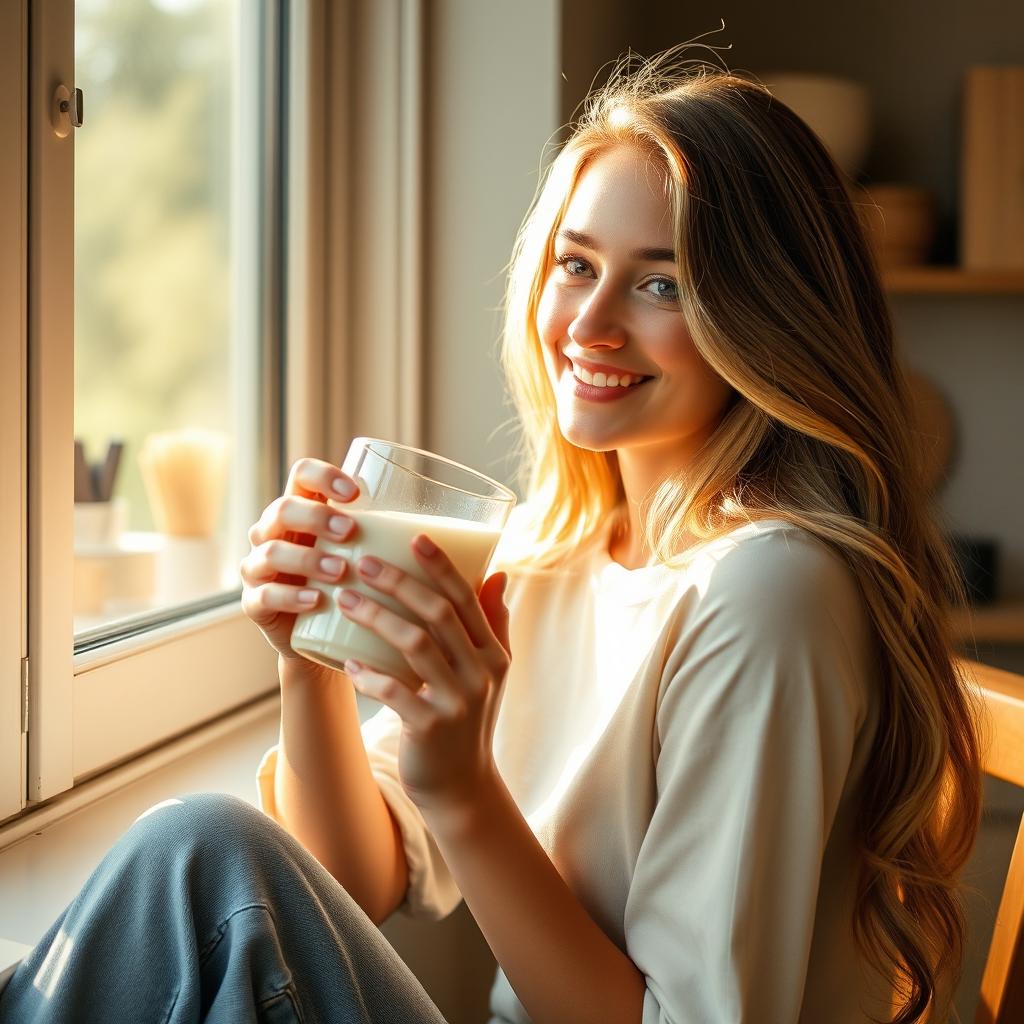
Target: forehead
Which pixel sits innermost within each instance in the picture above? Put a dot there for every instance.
(622, 195)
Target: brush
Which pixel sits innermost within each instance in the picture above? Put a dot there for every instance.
(185, 474)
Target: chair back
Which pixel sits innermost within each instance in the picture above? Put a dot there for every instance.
(1002, 985)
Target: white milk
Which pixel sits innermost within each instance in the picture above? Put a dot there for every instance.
(327, 636)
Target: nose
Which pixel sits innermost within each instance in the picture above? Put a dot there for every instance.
(597, 320)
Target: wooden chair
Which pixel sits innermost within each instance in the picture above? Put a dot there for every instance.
(1002, 985)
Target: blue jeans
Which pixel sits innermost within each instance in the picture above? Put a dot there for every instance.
(208, 910)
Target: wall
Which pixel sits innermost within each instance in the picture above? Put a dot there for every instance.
(493, 113)
(492, 108)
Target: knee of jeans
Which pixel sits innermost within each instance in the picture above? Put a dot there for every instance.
(207, 822)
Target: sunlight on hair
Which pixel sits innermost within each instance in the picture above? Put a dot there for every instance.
(620, 117)
(53, 966)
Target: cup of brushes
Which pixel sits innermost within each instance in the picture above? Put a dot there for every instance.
(99, 516)
(185, 473)
(113, 572)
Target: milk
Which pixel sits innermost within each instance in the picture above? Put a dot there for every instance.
(328, 636)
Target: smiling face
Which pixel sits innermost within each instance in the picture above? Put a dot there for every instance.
(611, 297)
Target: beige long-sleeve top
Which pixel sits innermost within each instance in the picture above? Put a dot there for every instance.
(688, 748)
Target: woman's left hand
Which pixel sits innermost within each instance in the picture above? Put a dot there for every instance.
(445, 758)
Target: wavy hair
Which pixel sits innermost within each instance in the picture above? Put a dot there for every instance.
(781, 293)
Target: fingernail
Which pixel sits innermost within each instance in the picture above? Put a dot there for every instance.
(331, 566)
(307, 596)
(344, 487)
(425, 546)
(369, 566)
(349, 598)
(339, 525)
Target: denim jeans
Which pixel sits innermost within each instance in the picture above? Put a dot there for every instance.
(208, 910)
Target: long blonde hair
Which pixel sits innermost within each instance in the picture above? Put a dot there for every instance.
(782, 296)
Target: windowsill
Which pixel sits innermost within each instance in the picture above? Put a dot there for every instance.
(41, 873)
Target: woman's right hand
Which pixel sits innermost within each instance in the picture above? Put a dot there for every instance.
(282, 557)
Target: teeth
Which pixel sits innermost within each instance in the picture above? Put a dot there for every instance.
(601, 380)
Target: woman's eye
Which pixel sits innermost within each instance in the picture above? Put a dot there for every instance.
(672, 296)
(566, 261)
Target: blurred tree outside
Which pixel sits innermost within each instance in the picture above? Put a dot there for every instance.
(153, 232)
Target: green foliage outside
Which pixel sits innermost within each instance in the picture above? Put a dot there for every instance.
(153, 273)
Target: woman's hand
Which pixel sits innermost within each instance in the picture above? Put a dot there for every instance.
(463, 657)
(282, 557)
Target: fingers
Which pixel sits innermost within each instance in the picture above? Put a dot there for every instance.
(448, 607)
(280, 557)
(284, 556)
(447, 579)
(415, 711)
(417, 646)
(314, 478)
(292, 514)
(263, 603)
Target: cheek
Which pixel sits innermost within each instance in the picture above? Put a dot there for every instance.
(714, 391)
(710, 393)
(551, 316)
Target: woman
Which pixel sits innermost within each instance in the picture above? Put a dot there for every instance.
(710, 757)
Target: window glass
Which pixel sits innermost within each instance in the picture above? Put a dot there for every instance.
(166, 193)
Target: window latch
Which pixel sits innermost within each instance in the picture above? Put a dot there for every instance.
(68, 110)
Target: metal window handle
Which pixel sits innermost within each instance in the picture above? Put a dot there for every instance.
(68, 111)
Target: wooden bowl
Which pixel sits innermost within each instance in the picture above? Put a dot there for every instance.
(837, 110)
(901, 221)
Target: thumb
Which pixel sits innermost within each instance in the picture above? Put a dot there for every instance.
(492, 600)
(496, 590)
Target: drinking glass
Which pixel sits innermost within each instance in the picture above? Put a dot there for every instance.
(403, 492)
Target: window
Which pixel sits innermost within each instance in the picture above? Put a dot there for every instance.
(190, 269)
(166, 322)
(157, 433)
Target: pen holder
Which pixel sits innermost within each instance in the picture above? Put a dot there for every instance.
(99, 523)
(188, 568)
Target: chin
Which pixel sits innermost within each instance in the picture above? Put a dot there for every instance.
(584, 444)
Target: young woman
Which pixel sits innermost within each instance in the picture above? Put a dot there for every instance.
(709, 758)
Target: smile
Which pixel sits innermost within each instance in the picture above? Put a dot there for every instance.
(593, 393)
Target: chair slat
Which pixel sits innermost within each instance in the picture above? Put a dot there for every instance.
(1003, 751)
(1002, 985)
(1001, 998)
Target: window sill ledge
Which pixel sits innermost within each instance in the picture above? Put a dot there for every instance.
(41, 872)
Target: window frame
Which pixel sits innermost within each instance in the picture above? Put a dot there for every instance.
(77, 721)
(351, 210)
(13, 400)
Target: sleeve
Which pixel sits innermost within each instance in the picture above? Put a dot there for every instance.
(759, 706)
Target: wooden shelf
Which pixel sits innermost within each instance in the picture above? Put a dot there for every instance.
(935, 280)
(995, 623)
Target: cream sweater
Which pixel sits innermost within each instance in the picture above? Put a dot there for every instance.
(688, 747)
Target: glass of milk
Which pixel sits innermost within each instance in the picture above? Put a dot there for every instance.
(402, 492)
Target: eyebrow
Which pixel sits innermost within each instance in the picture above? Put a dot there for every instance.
(653, 255)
